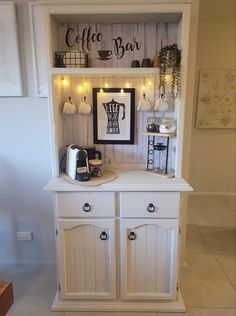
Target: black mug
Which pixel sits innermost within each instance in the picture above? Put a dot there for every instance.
(93, 153)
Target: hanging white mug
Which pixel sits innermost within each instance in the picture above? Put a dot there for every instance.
(161, 105)
(84, 107)
(144, 105)
(69, 107)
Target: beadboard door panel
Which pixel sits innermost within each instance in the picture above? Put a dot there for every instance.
(149, 258)
(87, 259)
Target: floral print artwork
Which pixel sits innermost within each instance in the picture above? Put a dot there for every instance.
(217, 99)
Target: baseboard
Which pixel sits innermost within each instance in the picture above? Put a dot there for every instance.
(213, 193)
(28, 262)
(176, 306)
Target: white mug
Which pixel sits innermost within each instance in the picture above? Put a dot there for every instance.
(144, 105)
(84, 107)
(161, 105)
(69, 107)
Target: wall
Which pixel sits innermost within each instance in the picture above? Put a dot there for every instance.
(213, 153)
(25, 165)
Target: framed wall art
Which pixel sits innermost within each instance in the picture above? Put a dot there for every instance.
(10, 73)
(113, 116)
(216, 106)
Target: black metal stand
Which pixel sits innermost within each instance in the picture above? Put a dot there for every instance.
(157, 147)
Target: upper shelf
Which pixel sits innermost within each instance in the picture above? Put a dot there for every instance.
(129, 72)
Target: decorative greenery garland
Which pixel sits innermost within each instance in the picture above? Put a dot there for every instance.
(170, 57)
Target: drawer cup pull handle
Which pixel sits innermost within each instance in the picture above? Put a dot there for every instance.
(86, 207)
(151, 208)
(132, 236)
(103, 236)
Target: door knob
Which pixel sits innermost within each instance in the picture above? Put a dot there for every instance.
(132, 236)
(103, 236)
(86, 207)
(151, 208)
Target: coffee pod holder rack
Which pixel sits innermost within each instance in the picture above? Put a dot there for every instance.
(159, 145)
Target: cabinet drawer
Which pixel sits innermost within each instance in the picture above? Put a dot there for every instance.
(85, 204)
(149, 204)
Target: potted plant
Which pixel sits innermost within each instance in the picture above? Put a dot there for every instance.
(170, 56)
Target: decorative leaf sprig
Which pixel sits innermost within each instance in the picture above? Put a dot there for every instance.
(170, 56)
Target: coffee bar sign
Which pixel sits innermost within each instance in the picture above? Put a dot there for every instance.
(115, 45)
(88, 37)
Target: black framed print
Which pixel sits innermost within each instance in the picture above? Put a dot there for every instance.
(113, 115)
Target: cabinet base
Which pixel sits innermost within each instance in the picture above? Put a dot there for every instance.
(176, 306)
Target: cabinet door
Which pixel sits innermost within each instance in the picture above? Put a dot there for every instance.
(149, 258)
(87, 258)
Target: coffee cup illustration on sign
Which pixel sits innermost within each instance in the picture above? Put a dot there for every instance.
(84, 107)
(104, 54)
(69, 107)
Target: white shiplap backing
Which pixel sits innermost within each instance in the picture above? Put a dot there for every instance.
(78, 129)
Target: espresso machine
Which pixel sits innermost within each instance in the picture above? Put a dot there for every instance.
(77, 166)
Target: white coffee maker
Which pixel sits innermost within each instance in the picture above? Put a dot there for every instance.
(77, 166)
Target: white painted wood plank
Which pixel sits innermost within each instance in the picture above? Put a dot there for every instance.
(101, 261)
(140, 258)
(151, 256)
(161, 266)
(130, 262)
(70, 272)
(150, 40)
(172, 33)
(89, 253)
(79, 260)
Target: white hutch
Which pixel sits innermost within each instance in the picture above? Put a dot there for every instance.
(118, 243)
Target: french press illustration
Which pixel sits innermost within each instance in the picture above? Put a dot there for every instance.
(112, 110)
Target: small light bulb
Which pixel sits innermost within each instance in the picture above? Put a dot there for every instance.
(149, 83)
(106, 85)
(121, 90)
(65, 82)
(127, 85)
(168, 78)
(85, 84)
(144, 88)
(80, 88)
(101, 90)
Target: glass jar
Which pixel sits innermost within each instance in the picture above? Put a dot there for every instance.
(152, 125)
(95, 167)
(167, 125)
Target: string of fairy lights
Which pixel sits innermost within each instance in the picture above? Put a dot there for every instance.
(146, 83)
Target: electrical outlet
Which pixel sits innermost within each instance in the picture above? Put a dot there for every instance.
(24, 236)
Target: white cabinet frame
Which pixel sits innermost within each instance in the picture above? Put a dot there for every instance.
(10, 71)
